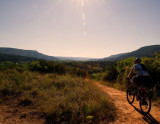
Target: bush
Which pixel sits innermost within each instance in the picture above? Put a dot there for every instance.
(111, 73)
(96, 76)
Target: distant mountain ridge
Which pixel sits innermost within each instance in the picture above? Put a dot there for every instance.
(73, 58)
(26, 53)
(31, 55)
(36, 55)
(146, 51)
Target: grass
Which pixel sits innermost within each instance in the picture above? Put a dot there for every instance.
(61, 99)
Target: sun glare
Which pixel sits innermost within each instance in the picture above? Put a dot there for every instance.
(80, 2)
(83, 4)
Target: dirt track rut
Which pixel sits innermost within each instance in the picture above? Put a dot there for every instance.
(130, 114)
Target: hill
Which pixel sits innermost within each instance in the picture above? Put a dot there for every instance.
(31, 55)
(15, 58)
(146, 51)
(36, 55)
(26, 53)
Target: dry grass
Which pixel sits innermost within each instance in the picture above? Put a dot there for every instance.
(58, 98)
(116, 85)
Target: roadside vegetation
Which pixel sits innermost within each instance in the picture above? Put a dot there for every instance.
(56, 92)
(117, 72)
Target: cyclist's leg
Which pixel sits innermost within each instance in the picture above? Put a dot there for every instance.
(136, 80)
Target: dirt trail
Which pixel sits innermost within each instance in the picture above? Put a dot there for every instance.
(128, 114)
(12, 113)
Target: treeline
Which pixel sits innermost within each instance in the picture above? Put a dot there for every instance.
(81, 69)
(117, 72)
(41, 66)
(44, 66)
(92, 69)
(20, 67)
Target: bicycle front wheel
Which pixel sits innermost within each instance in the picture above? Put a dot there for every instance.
(130, 95)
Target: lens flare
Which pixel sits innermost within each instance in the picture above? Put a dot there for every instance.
(81, 3)
(83, 18)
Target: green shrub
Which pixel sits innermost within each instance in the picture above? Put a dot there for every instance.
(96, 76)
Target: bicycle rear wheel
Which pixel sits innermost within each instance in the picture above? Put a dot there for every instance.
(130, 95)
(145, 103)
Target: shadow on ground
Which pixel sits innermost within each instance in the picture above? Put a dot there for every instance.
(147, 117)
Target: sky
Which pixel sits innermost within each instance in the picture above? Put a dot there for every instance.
(79, 28)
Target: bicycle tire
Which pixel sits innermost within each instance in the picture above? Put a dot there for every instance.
(130, 95)
(145, 101)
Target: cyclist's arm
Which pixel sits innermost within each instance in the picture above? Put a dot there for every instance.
(130, 73)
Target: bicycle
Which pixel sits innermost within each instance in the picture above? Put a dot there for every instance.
(139, 92)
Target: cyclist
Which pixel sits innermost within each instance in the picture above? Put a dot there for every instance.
(140, 71)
